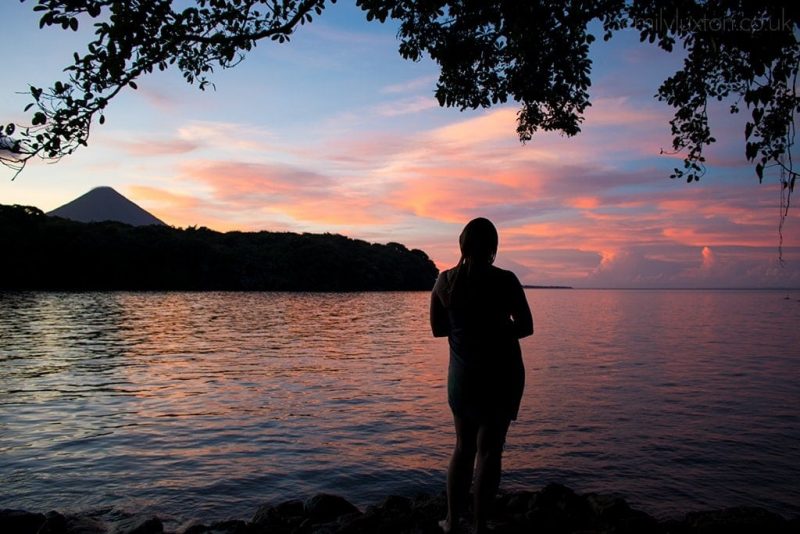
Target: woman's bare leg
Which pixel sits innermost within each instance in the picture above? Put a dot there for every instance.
(491, 439)
(459, 472)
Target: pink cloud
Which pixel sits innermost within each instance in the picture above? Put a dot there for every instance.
(406, 106)
(584, 203)
(156, 147)
(304, 195)
(567, 213)
(183, 210)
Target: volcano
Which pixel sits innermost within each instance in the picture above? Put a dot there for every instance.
(105, 204)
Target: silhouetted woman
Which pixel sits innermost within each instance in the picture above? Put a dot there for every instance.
(483, 311)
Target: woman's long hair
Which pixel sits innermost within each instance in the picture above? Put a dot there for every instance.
(478, 242)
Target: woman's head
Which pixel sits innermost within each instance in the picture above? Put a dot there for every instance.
(478, 241)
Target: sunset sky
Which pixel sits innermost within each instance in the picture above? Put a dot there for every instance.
(335, 132)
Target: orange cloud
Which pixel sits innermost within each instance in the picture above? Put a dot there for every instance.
(182, 210)
(306, 196)
(457, 194)
(709, 258)
(584, 203)
(497, 125)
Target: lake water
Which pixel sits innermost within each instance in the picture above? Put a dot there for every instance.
(206, 405)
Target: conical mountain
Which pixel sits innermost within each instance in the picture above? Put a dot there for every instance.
(105, 204)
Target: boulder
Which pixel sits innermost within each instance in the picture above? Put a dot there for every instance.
(234, 526)
(55, 523)
(737, 520)
(324, 508)
(139, 525)
(277, 515)
(80, 524)
(557, 508)
(615, 513)
(20, 521)
(283, 518)
(396, 504)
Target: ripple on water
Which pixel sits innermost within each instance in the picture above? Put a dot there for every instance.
(208, 404)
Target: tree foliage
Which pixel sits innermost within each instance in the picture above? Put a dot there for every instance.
(134, 38)
(42, 252)
(535, 53)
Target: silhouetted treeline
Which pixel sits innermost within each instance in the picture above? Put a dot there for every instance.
(42, 252)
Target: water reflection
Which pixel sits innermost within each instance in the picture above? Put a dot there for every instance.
(207, 404)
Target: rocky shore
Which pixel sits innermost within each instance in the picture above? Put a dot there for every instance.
(554, 509)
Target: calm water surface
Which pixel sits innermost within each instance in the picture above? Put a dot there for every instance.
(205, 405)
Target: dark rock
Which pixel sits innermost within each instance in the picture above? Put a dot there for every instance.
(396, 504)
(738, 520)
(367, 522)
(290, 509)
(283, 518)
(222, 527)
(559, 509)
(397, 515)
(55, 523)
(433, 507)
(280, 514)
(196, 528)
(80, 524)
(614, 512)
(673, 526)
(324, 507)
(20, 521)
(608, 508)
(517, 502)
(637, 521)
(555, 509)
(139, 525)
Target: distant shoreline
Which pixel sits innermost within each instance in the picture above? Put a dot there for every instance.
(110, 256)
(526, 286)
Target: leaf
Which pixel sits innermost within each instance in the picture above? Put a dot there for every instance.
(133, 85)
(760, 172)
(10, 128)
(29, 106)
(102, 119)
(73, 23)
(750, 151)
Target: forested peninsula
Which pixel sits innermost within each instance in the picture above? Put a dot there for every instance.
(50, 253)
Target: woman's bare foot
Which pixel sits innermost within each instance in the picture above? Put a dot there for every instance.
(446, 525)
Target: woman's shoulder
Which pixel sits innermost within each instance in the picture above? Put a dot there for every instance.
(504, 275)
(448, 275)
(444, 280)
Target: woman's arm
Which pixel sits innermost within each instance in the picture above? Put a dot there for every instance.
(440, 322)
(520, 311)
